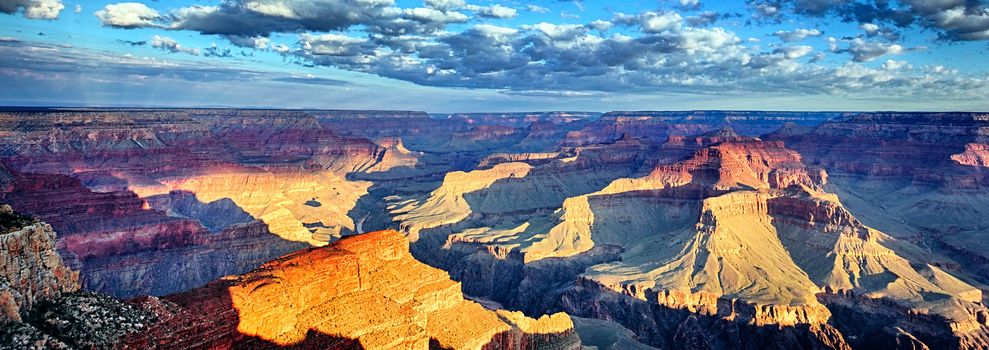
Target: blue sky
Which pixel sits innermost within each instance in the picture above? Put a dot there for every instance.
(461, 55)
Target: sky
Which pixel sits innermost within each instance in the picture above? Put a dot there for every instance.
(498, 55)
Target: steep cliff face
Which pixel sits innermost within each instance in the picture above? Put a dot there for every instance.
(660, 126)
(124, 246)
(739, 238)
(30, 269)
(681, 227)
(361, 292)
(975, 154)
(916, 147)
(914, 176)
(105, 181)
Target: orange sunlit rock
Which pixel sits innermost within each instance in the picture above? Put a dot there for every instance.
(365, 290)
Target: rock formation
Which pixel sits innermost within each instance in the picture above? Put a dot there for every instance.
(361, 292)
(914, 176)
(30, 269)
(740, 234)
(692, 229)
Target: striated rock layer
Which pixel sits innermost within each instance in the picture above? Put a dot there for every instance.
(361, 292)
(101, 178)
(30, 269)
(718, 249)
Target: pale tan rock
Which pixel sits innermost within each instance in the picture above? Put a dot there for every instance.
(30, 269)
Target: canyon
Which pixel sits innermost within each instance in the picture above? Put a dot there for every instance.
(251, 228)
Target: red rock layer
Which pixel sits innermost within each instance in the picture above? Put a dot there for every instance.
(920, 147)
(77, 170)
(975, 154)
(733, 165)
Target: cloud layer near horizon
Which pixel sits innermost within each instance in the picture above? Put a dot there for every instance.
(686, 48)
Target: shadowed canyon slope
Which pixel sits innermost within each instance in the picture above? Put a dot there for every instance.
(694, 229)
(364, 292)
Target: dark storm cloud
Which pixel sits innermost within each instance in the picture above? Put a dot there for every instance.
(546, 57)
(244, 22)
(214, 51)
(954, 20)
(650, 51)
(263, 17)
(33, 9)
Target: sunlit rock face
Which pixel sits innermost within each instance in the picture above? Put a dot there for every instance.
(30, 269)
(741, 232)
(361, 292)
(101, 177)
(975, 154)
(919, 177)
(694, 229)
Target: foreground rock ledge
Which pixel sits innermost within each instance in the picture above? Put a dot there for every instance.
(362, 292)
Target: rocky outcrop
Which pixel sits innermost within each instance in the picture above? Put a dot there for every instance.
(361, 292)
(975, 154)
(682, 227)
(918, 147)
(914, 176)
(671, 328)
(123, 246)
(737, 239)
(30, 269)
(446, 204)
(104, 180)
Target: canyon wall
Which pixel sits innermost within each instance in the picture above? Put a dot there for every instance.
(684, 229)
(30, 268)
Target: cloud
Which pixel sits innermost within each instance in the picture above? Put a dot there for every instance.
(705, 18)
(536, 8)
(600, 25)
(252, 18)
(651, 22)
(168, 44)
(953, 20)
(796, 35)
(128, 15)
(53, 61)
(257, 42)
(793, 52)
(214, 51)
(33, 9)
(551, 93)
(244, 21)
(894, 65)
(690, 4)
(444, 5)
(661, 53)
(494, 11)
(312, 80)
(132, 42)
(430, 15)
(865, 50)
(869, 29)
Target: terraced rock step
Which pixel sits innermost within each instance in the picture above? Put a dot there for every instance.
(364, 291)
